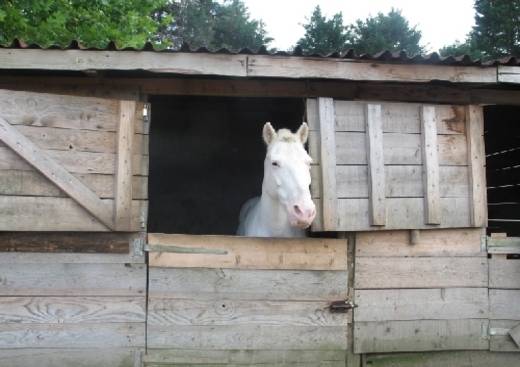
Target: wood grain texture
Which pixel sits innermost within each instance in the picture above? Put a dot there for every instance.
(508, 245)
(72, 335)
(447, 359)
(247, 337)
(204, 284)
(376, 169)
(421, 304)
(430, 165)
(435, 272)
(435, 243)
(222, 312)
(71, 310)
(246, 253)
(476, 162)
(504, 304)
(63, 279)
(70, 357)
(328, 163)
(420, 335)
(56, 173)
(508, 74)
(69, 258)
(504, 273)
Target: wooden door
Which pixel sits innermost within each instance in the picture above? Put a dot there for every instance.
(71, 163)
(235, 300)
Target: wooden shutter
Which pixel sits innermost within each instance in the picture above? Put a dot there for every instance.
(396, 165)
(71, 163)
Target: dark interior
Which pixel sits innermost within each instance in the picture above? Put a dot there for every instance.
(502, 138)
(206, 158)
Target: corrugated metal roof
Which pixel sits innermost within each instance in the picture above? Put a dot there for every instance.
(400, 57)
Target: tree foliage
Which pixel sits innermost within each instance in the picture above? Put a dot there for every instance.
(324, 35)
(382, 32)
(212, 24)
(496, 32)
(93, 23)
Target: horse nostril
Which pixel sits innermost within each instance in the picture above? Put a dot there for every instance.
(297, 210)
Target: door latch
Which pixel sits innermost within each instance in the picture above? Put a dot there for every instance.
(341, 306)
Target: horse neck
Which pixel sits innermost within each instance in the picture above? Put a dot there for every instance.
(272, 214)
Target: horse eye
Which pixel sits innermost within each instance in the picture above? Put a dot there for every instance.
(276, 164)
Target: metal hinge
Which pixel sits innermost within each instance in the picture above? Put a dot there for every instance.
(341, 306)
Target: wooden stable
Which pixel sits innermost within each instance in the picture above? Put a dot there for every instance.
(400, 181)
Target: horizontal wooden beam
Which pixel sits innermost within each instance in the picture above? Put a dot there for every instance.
(241, 65)
(509, 74)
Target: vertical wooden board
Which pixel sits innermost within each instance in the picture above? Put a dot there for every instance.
(504, 304)
(476, 162)
(430, 165)
(376, 166)
(421, 304)
(124, 171)
(504, 273)
(311, 114)
(420, 335)
(53, 357)
(328, 163)
(435, 242)
(423, 272)
(247, 284)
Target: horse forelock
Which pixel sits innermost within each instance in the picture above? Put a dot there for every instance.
(286, 136)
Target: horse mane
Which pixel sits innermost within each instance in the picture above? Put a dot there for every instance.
(286, 136)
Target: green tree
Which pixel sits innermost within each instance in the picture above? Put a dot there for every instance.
(496, 32)
(93, 23)
(385, 32)
(324, 35)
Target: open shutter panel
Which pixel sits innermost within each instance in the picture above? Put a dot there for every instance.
(396, 165)
(71, 163)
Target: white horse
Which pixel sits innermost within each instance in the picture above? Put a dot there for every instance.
(285, 208)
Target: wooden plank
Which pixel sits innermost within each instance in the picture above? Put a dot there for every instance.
(167, 250)
(55, 172)
(476, 162)
(27, 213)
(508, 74)
(75, 162)
(204, 284)
(376, 166)
(227, 312)
(402, 213)
(72, 335)
(398, 148)
(123, 182)
(430, 165)
(504, 273)
(420, 335)
(514, 333)
(33, 183)
(419, 304)
(65, 242)
(472, 358)
(47, 279)
(435, 272)
(508, 245)
(331, 68)
(504, 304)
(71, 310)
(328, 163)
(401, 181)
(500, 340)
(247, 337)
(68, 258)
(243, 357)
(52, 357)
(435, 242)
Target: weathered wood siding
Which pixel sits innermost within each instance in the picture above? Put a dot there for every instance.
(425, 290)
(72, 309)
(397, 166)
(246, 301)
(71, 163)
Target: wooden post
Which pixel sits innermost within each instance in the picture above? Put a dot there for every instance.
(328, 163)
(123, 192)
(376, 165)
(476, 162)
(430, 165)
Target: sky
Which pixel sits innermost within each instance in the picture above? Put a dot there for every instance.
(441, 22)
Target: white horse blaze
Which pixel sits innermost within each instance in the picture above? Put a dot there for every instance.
(285, 208)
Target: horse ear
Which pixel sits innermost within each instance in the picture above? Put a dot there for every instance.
(303, 132)
(268, 133)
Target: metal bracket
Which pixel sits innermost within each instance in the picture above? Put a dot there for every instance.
(138, 243)
(341, 306)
